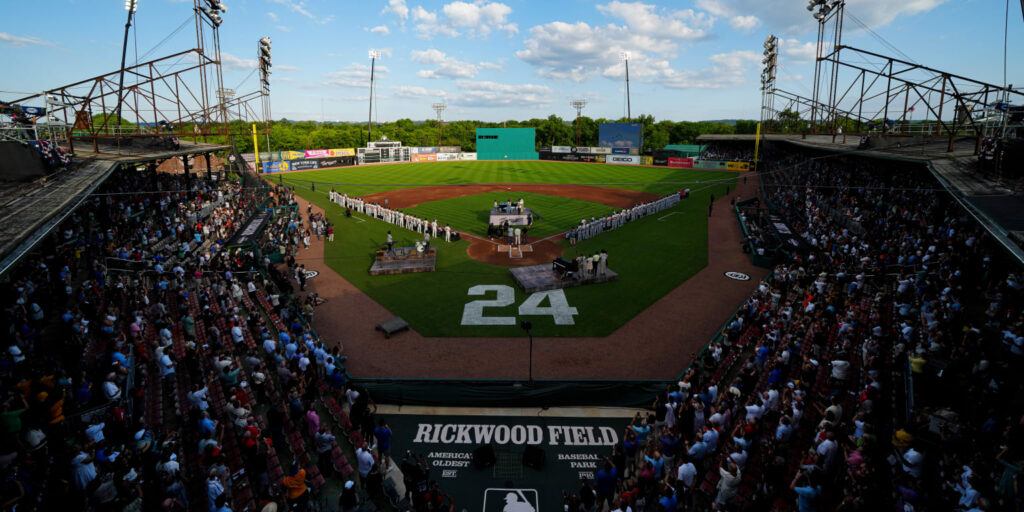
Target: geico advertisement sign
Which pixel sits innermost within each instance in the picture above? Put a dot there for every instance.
(623, 159)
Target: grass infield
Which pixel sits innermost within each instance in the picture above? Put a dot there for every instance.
(652, 256)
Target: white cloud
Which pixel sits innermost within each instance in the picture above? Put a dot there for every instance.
(299, 6)
(727, 70)
(791, 17)
(398, 9)
(795, 52)
(421, 14)
(446, 66)
(480, 17)
(355, 75)
(492, 94)
(641, 17)
(381, 29)
(229, 61)
(283, 28)
(413, 91)
(273, 16)
(22, 41)
(497, 66)
(745, 23)
(578, 51)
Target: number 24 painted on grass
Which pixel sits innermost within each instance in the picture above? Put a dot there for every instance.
(559, 310)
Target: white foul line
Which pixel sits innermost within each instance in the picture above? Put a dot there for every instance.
(669, 215)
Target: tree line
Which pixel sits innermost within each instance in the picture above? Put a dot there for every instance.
(554, 131)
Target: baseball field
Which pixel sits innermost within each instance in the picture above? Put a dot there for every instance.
(471, 293)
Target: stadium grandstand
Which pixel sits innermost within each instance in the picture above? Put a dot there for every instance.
(842, 331)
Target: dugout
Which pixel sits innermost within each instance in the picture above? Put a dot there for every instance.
(506, 144)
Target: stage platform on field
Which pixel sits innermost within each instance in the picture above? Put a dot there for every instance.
(404, 260)
(538, 278)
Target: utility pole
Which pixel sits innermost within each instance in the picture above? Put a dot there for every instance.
(374, 55)
(625, 56)
(439, 107)
(578, 105)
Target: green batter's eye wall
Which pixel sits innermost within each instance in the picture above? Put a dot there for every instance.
(506, 144)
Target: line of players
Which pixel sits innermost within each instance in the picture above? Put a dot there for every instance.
(412, 223)
(594, 227)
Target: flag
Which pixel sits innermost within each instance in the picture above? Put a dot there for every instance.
(911, 109)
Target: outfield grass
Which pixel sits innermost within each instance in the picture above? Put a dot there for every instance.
(652, 256)
(471, 213)
(369, 179)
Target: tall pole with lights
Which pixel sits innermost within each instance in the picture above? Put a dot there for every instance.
(578, 105)
(625, 56)
(374, 55)
(439, 107)
(131, 6)
(768, 79)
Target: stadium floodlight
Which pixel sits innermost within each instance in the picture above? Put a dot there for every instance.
(769, 43)
(374, 54)
(217, 5)
(625, 55)
(131, 5)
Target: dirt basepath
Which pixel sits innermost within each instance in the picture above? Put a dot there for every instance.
(410, 197)
(657, 343)
(482, 249)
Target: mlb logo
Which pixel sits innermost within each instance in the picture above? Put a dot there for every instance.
(511, 500)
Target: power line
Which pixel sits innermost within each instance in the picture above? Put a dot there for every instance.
(165, 39)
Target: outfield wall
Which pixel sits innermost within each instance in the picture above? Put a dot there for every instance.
(506, 144)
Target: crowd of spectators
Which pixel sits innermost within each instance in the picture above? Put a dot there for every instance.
(152, 365)
(144, 349)
(873, 370)
(728, 151)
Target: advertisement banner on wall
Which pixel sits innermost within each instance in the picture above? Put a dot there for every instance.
(421, 150)
(661, 160)
(424, 157)
(270, 167)
(543, 149)
(561, 149)
(709, 164)
(647, 160)
(600, 159)
(318, 153)
(449, 149)
(546, 155)
(601, 151)
(341, 152)
(737, 166)
(324, 163)
(623, 159)
(685, 163)
(620, 151)
(445, 157)
(467, 156)
(292, 155)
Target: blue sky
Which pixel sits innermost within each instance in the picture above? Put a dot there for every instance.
(509, 59)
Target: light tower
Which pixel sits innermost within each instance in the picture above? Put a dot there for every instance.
(439, 107)
(771, 54)
(625, 56)
(131, 6)
(578, 105)
(374, 55)
(263, 57)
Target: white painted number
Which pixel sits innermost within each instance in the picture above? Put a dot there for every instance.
(559, 308)
(473, 313)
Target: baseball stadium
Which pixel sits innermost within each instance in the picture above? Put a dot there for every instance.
(815, 307)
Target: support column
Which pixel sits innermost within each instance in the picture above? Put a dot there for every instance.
(209, 168)
(188, 177)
